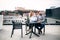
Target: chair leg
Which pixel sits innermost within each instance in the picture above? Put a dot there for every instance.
(26, 29)
(22, 33)
(12, 32)
(34, 29)
(44, 31)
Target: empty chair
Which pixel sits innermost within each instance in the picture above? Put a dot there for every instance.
(17, 25)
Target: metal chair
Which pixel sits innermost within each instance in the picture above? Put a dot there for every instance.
(17, 25)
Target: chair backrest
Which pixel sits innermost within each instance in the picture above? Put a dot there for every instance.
(17, 25)
(27, 22)
(45, 20)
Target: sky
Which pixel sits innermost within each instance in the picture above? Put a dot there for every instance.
(28, 4)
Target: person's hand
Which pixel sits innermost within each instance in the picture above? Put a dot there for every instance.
(39, 21)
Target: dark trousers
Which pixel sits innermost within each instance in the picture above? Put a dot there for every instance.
(39, 26)
(31, 25)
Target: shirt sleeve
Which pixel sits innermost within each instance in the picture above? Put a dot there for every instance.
(43, 18)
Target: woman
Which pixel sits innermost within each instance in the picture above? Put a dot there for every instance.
(32, 19)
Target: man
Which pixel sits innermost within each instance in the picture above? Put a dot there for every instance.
(40, 21)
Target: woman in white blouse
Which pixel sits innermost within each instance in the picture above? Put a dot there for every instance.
(32, 19)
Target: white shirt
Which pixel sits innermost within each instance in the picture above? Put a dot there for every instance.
(33, 19)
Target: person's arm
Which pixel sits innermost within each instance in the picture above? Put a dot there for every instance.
(43, 19)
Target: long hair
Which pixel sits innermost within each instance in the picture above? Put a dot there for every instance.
(31, 13)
